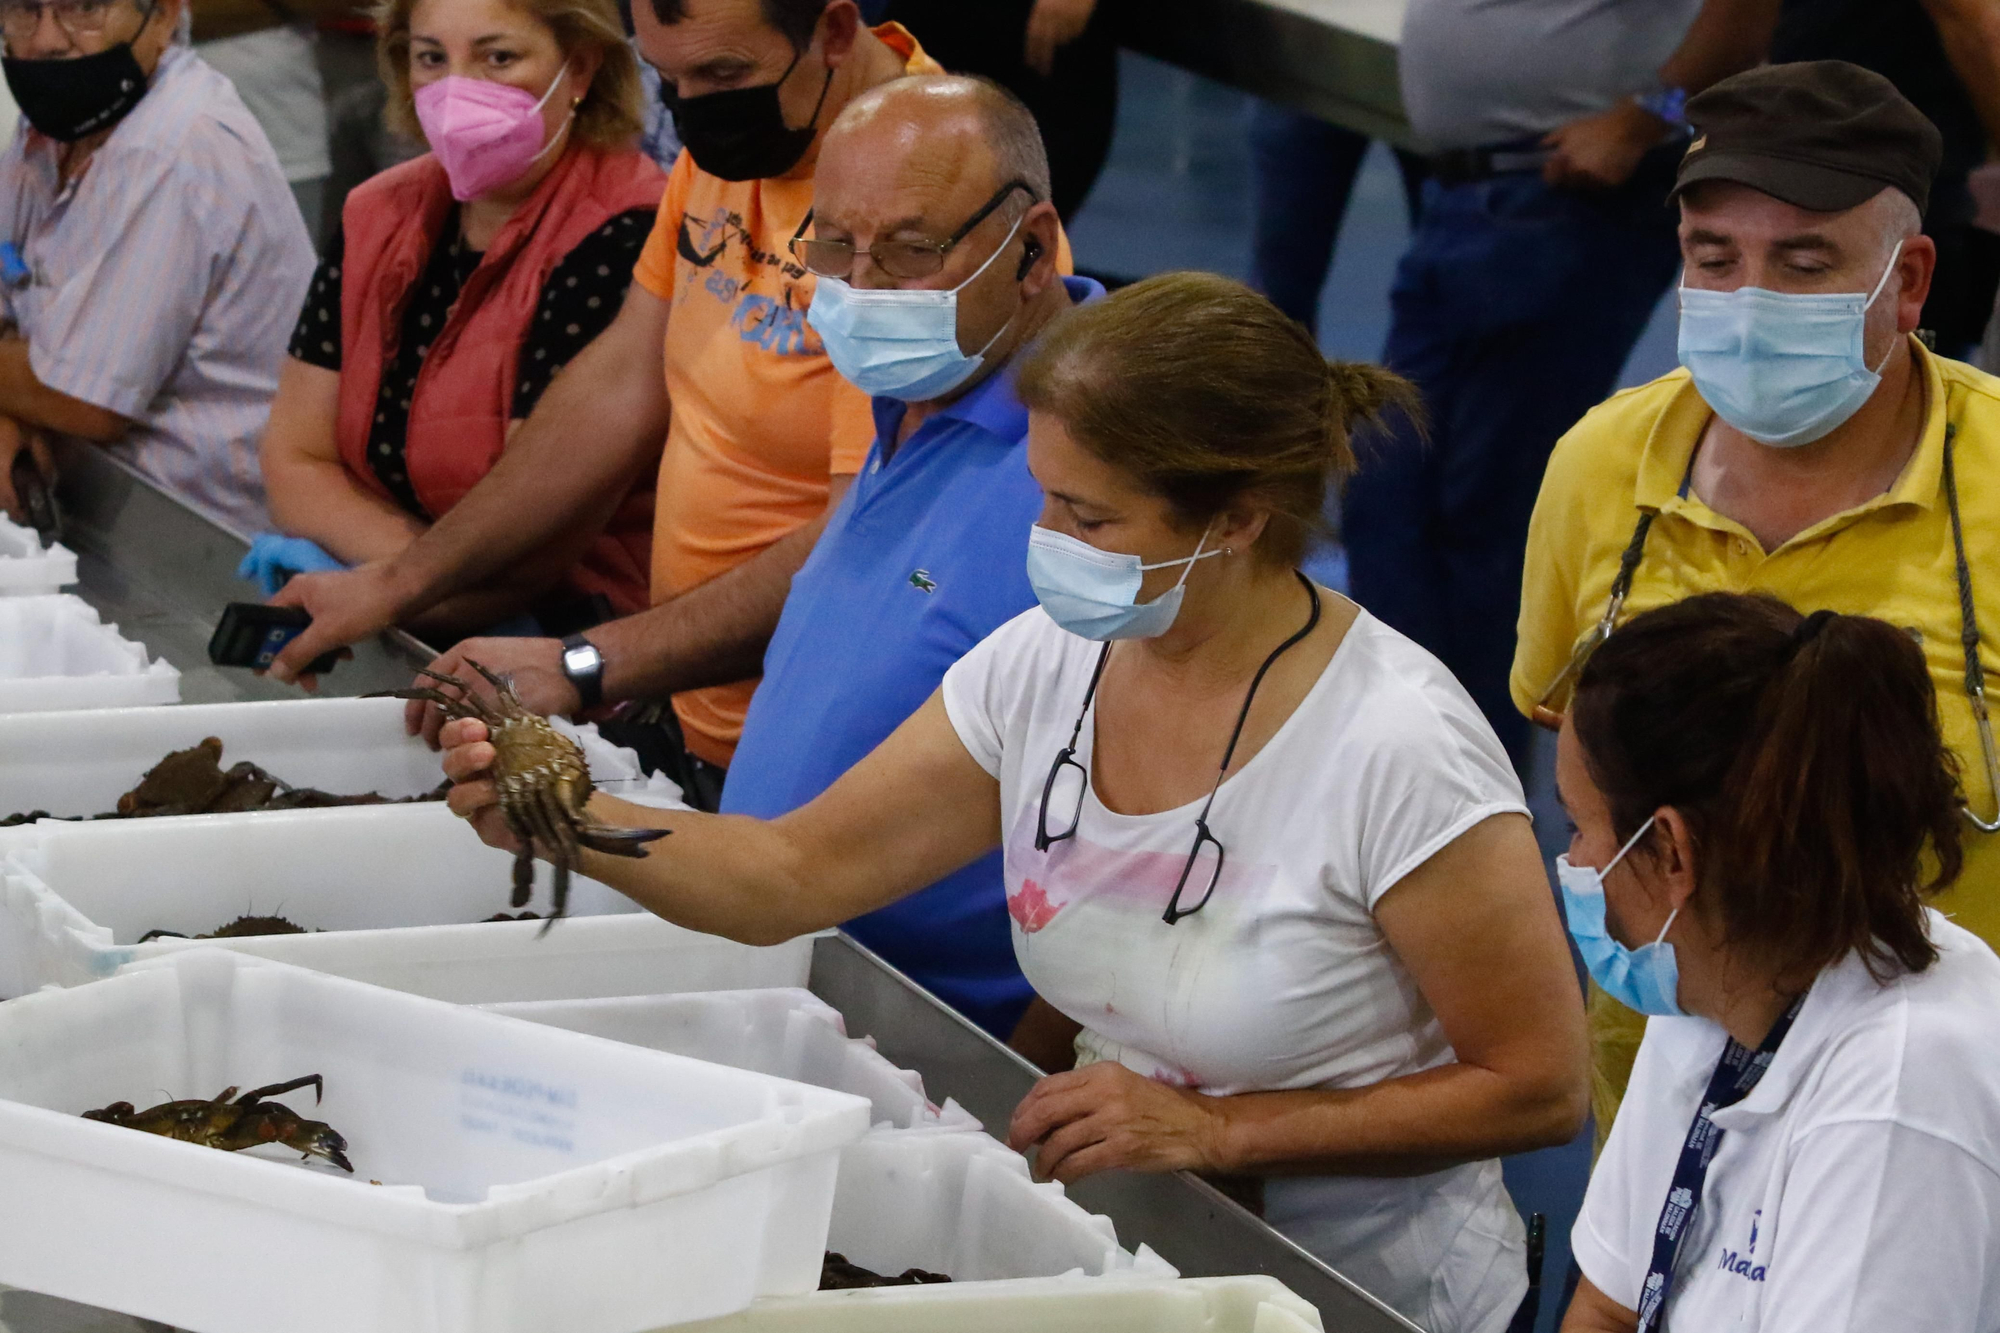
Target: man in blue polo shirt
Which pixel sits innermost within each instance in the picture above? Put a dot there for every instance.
(936, 247)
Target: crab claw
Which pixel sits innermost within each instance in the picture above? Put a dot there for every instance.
(317, 1140)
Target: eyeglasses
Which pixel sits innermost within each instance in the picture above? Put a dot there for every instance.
(1070, 775)
(898, 259)
(21, 19)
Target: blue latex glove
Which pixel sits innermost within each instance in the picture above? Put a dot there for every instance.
(274, 557)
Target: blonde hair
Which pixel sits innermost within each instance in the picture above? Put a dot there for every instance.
(609, 117)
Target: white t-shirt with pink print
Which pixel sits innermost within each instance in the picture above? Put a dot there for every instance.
(1284, 980)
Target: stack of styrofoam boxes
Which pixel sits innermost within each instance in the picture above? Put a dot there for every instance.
(28, 569)
(54, 651)
(508, 1177)
(927, 1188)
(393, 890)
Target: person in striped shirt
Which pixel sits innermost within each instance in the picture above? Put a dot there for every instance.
(151, 254)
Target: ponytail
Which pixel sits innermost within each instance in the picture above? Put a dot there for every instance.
(1805, 755)
(1210, 396)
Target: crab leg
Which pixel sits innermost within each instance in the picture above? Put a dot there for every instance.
(502, 685)
(524, 875)
(257, 1094)
(535, 817)
(618, 841)
(524, 859)
(565, 852)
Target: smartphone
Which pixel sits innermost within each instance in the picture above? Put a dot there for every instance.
(251, 634)
(37, 499)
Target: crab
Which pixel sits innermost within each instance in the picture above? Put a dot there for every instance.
(233, 1123)
(544, 785)
(243, 927)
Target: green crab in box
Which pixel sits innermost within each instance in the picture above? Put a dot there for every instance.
(543, 781)
(233, 1123)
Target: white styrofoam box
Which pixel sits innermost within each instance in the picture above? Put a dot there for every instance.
(80, 763)
(1037, 1305)
(26, 568)
(956, 1202)
(56, 653)
(788, 1032)
(966, 1206)
(399, 892)
(530, 1178)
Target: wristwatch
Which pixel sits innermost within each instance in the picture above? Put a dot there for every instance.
(1669, 104)
(583, 667)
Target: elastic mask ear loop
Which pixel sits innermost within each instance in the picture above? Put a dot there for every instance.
(1188, 561)
(562, 129)
(1880, 283)
(1630, 843)
(979, 355)
(1012, 232)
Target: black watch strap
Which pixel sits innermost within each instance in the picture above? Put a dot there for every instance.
(588, 675)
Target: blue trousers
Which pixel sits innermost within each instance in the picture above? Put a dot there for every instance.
(1303, 170)
(1513, 312)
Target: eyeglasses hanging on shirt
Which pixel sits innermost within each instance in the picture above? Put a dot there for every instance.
(1069, 774)
(1563, 686)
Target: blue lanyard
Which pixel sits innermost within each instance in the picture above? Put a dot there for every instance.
(1736, 1073)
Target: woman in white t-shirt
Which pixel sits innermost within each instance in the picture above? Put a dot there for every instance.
(1294, 913)
(1811, 1141)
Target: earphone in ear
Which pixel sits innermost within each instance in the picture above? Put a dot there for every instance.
(1031, 250)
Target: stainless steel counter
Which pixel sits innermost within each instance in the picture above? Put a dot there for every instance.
(163, 573)
(1333, 58)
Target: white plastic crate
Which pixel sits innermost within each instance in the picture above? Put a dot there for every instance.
(957, 1202)
(26, 567)
(79, 763)
(788, 1032)
(399, 894)
(965, 1205)
(1037, 1305)
(55, 653)
(532, 1179)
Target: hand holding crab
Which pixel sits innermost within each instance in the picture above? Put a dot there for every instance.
(522, 784)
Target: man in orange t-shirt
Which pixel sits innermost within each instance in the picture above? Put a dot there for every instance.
(760, 434)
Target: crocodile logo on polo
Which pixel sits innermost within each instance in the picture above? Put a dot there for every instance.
(921, 578)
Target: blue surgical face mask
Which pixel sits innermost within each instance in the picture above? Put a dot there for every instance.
(892, 343)
(1646, 979)
(1785, 368)
(1095, 593)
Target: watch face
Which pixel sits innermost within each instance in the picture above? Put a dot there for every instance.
(580, 659)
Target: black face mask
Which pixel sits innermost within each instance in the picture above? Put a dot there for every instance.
(77, 97)
(740, 134)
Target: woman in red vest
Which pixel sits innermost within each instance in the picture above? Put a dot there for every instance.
(457, 288)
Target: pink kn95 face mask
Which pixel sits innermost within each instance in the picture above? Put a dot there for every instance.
(485, 134)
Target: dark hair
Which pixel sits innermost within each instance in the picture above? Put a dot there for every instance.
(796, 19)
(1805, 755)
(1210, 395)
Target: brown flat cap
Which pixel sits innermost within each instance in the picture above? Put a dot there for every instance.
(1819, 134)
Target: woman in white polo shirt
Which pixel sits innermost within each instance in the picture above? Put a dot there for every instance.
(1261, 849)
(1811, 1141)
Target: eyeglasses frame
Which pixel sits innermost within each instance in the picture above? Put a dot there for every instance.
(941, 249)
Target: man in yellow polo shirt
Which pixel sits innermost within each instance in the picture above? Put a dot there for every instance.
(1810, 447)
